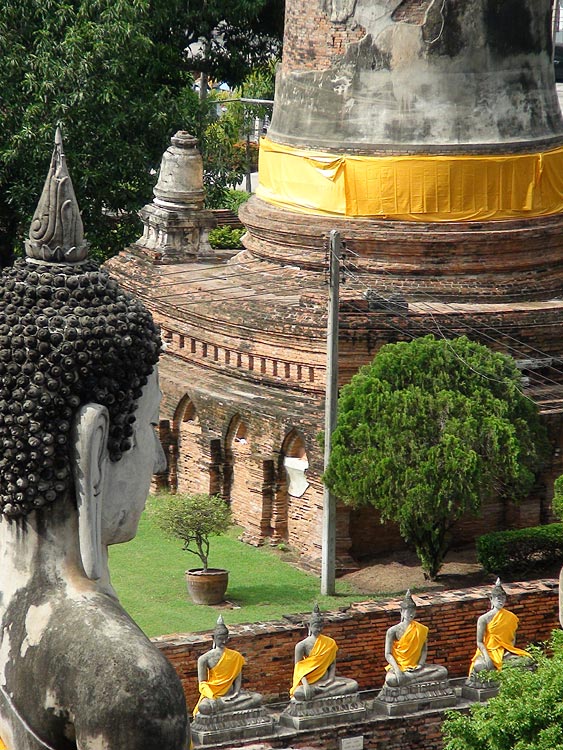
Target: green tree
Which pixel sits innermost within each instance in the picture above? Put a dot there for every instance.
(427, 432)
(111, 73)
(228, 154)
(527, 714)
(192, 518)
(226, 39)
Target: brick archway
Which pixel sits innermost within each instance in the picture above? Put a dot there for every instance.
(236, 473)
(290, 479)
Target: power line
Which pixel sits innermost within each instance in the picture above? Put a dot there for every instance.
(397, 312)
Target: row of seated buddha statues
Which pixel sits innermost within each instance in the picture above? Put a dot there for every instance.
(318, 697)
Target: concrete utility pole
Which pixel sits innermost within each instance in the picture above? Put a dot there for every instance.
(328, 564)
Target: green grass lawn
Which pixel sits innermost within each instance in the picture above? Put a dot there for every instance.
(148, 575)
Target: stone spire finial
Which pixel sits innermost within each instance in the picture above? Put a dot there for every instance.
(316, 615)
(56, 233)
(408, 602)
(220, 626)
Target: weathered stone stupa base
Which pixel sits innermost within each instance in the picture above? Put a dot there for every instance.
(322, 712)
(237, 725)
(398, 701)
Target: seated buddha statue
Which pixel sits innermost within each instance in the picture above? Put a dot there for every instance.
(219, 673)
(405, 650)
(314, 673)
(496, 636)
(79, 399)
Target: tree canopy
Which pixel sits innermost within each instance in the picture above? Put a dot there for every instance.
(228, 38)
(116, 75)
(427, 432)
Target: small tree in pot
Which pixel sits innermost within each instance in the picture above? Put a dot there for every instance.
(194, 518)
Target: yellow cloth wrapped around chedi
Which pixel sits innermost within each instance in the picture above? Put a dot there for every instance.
(408, 648)
(221, 677)
(315, 666)
(499, 638)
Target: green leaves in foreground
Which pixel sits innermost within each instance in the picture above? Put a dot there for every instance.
(526, 715)
(427, 432)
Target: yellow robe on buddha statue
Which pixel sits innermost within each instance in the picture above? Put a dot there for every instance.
(499, 638)
(408, 648)
(221, 676)
(2, 745)
(315, 666)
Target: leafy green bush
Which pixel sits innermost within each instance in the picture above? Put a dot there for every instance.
(226, 238)
(557, 502)
(520, 549)
(234, 199)
(527, 714)
(193, 518)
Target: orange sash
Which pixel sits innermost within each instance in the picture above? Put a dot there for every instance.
(408, 648)
(314, 666)
(499, 638)
(221, 677)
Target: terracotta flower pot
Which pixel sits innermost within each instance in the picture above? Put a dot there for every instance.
(207, 587)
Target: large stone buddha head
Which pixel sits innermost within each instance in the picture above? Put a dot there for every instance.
(78, 386)
(79, 399)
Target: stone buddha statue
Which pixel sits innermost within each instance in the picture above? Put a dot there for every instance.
(411, 683)
(496, 636)
(79, 400)
(314, 673)
(219, 673)
(405, 650)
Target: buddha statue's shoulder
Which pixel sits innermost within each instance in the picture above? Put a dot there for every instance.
(112, 684)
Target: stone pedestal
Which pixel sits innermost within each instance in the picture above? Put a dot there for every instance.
(322, 712)
(235, 725)
(175, 234)
(478, 690)
(397, 701)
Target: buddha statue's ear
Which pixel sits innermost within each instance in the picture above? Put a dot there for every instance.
(90, 435)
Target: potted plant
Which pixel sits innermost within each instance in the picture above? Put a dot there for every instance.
(194, 518)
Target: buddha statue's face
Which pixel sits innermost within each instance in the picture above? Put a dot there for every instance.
(220, 638)
(128, 480)
(408, 614)
(498, 601)
(315, 628)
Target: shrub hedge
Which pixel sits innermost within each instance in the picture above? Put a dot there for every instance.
(521, 549)
(226, 238)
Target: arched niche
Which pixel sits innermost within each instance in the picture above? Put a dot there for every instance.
(192, 471)
(292, 484)
(237, 469)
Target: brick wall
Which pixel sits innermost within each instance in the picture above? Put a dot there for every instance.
(360, 634)
(251, 476)
(311, 40)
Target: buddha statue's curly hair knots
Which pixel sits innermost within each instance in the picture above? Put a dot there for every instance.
(68, 336)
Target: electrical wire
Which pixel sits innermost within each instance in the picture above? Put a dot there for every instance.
(421, 326)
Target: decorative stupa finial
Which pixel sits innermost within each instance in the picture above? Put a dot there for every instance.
(56, 233)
